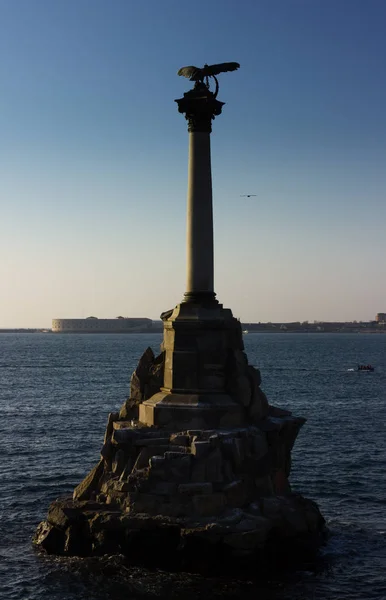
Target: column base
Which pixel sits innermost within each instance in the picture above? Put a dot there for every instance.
(197, 410)
(204, 299)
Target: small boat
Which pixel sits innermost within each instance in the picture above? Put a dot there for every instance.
(245, 331)
(365, 368)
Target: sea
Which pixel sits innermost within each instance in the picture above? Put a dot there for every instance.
(55, 395)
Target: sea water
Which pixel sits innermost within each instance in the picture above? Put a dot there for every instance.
(57, 390)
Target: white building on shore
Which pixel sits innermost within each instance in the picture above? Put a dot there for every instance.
(95, 325)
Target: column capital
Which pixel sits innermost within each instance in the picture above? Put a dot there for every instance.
(200, 106)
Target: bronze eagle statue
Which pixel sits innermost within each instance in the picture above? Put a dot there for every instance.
(201, 76)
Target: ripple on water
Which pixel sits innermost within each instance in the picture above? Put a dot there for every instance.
(56, 393)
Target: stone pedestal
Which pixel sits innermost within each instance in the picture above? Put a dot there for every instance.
(198, 343)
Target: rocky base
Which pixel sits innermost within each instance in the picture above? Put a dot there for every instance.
(208, 500)
(277, 529)
(200, 501)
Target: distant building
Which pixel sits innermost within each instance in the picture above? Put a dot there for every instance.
(380, 317)
(95, 325)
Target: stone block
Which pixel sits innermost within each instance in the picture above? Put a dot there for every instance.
(258, 408)
(236, 493)
(233, 450)
(199, 433)
(127, 470)
(113, 416)
(249, 540)
(179, 468)
(242, 391)
(124, 436)
(181, 449)
(227, 471)
(208, 505)
(125, 425)
(259, 445)
(271, 508)
(136, 389)
(50, 538)
(254, 509)
(164, 488)
(180, 439)
(200, 449)
(191, 489)
(280, 483)
(89, 483)
(151, 441)
(78, 540)
(144, 503)
(119, 462)
(116, 497)
(146, 454)
(264, 486)
(198, 471)
(213, 467)
(107, 451)
(172, 455)
(62, 513)
(157, 462)
(129, 410)
(173, 509)
(124, 486)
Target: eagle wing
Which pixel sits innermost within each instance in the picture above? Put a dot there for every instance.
(189, 72)
(210, 70)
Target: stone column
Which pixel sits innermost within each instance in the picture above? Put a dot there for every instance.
(200, 107)
(199, 334)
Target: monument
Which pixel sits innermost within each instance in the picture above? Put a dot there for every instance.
(197, 461)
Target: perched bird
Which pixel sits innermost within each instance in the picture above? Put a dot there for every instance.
(199, 75)
(247, 195)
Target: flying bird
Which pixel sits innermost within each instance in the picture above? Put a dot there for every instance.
(248, 195)
(199, 75)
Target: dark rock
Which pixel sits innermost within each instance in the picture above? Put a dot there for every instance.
(144, 365)
(50, 538)
(200, 449)
(155, 377)
(144, 503)
(180, 439)
(89, 484)
(130, 409)
(164, 488)
(250, 539)
(119, 462)
(124, 436)
(151, 441)
(258, 408)
(113, 416)
(236, 493)
(190, 489)
(198, 471)
(275, 411)
(78, 541)
(213, 466)
(62, 513)
(208, 505)
(127, 470)
(233, 450)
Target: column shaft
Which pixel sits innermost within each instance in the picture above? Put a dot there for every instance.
(199, 248)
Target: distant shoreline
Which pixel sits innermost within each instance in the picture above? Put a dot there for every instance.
(248, 328)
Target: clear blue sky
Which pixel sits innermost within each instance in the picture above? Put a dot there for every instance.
(93, 157)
